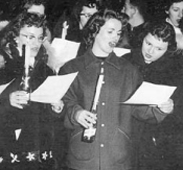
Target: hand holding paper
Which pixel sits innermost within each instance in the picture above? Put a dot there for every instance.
(53, 88)
(166, 107)
(151, 94)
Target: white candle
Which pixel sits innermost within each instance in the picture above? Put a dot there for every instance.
(27, 57)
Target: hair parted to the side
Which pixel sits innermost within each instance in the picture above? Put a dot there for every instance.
(98, 19)
(12, 30)
(162, 30)
(169, 3)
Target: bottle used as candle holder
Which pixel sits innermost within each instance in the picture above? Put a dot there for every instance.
(90, 133)
(25, 83)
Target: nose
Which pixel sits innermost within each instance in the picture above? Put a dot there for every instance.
(151, 50)
(181, 14)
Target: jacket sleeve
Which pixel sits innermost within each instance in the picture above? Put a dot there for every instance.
(149, 114)
(72, 105)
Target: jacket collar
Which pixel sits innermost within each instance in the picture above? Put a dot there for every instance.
(112, 59)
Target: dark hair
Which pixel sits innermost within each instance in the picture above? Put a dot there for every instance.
(141, 5)
(12, 30)
(163, 31)
(81, 3)
(29, 3)
(98, 19)
(169, 3)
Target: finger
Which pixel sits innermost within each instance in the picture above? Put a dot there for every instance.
(17, 105)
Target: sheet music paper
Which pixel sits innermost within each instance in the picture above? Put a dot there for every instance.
(53, 88)
(65, 50)
(151, 94)
(3, 87)
(121, 51)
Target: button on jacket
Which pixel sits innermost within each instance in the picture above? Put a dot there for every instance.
(112, 145)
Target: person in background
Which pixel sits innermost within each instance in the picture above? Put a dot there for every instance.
(111, 146)
(138, 18)
(74, 19)
(26, 127)
(174, 11)
(156, 62)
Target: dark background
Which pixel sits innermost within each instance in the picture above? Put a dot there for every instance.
(10, 8)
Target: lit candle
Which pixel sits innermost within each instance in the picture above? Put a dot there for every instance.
(27, 57)
(64, 29)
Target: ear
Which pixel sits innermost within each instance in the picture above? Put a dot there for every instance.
(167, 12)
(134, 10)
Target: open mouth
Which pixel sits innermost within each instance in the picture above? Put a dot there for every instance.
(112, 44)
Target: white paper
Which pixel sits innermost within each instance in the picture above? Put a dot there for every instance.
(65, 50)
(151, 94)
(17, 133)
(121, 51)
(53, 88)
(3, 87)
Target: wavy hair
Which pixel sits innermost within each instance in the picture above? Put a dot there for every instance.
(169, 3)
(98, 19)
(12, 30)
(162, 30)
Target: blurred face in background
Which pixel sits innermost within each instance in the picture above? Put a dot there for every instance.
(85, 15)
(37, 9)
(32, 36)
(153, 48)
(128, 9)
(175, 13)
(107, 38)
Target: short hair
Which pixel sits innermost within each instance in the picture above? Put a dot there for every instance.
(12, 30)
(141, 5)
(29, 3)
(162, 30)
(98, 19)
(81, 3)
(169, 3)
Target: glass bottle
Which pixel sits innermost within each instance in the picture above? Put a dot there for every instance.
(25, 82)
(90, 133)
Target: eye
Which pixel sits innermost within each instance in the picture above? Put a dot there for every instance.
(41, 38)
(159, 49)
(175, 9)
(110, 32)
(148, 43)
(119, 33)
(31, 37)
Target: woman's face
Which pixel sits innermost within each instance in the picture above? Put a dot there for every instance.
(175, 13)
(153, 48)
(32, 36)
(107, 38)
(85, 15)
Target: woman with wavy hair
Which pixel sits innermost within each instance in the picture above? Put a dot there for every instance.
(26, 129)
(93, 100)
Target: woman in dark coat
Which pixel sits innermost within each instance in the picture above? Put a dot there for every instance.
(158, 64)
(25, 143)
(110, 150)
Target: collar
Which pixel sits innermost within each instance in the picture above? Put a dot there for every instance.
(112, 59)
(177, 29)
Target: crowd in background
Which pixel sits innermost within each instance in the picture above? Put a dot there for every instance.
(43, 136)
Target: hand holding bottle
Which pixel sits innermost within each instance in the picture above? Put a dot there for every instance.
(85, 118)
(19, 99)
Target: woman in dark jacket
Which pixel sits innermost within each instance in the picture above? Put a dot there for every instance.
(26, 129)
(110, 149)
(158, 64)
